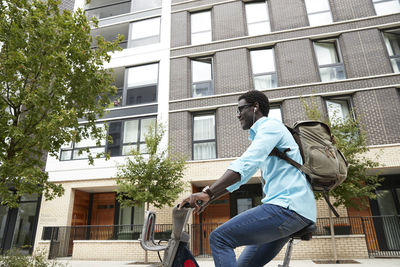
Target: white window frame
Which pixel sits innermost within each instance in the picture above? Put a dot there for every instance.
(196, 82)
(337, 66)
(378, 4)
(145, 32)
(393, 52)
(315, 16)
(269, 71)
(343, 100)
(204, 141)
(253, 25)
(205, 32)
(132, 84)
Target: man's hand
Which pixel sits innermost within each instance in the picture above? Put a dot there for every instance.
(192, 200)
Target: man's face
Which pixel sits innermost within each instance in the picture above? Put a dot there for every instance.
(245, 114)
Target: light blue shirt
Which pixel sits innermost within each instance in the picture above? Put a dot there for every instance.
(285, 185)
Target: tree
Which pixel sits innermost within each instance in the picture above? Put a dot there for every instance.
(154, 178)
(351, 140)
(50, 78)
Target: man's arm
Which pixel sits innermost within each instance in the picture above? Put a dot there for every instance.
(215, 191)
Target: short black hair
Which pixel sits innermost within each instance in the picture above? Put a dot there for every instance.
(254, 96)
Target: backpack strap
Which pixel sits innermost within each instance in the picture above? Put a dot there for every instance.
(276, 152)
(329, 204)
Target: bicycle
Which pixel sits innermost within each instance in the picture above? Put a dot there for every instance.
(177, 253)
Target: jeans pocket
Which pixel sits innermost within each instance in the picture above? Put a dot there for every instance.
(292, 223)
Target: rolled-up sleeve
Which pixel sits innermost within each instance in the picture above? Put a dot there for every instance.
(265, 139)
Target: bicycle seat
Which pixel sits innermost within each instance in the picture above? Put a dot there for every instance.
(305, 233)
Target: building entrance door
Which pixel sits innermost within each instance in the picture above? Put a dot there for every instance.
(102, 217)
(214, 215)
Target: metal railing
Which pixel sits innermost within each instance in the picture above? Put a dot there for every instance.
(382, 234)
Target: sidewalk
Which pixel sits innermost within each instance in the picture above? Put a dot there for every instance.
(210, 263)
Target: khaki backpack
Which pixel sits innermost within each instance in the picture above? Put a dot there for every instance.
(324, 165)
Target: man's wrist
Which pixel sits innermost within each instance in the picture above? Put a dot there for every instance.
(208, 192)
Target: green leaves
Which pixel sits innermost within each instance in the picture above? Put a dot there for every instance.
(154, 178)
(49, 79)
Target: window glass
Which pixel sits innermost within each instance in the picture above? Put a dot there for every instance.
(200, 27)
(105, 9)
(142, 75)
(204, 145)
(386, 202)
(131, 131)
(201, 70)
(145, 126)
(392, 42)
(3, 220)
(262, 61)
(125, 216)
(330, 66)
(243, 204)
(384, 7)
(275, 112)
(142, 84)
(145, 4)
(257, 18)
(202, 77)
(138, 215)
(338, 110)
(204, 127)
(326, 53)
(319, 12)
(263, 67)
(145, 32)
(23, 232)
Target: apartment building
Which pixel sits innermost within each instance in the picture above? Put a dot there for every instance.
(185, 63)
(343, 53)
(141, 72)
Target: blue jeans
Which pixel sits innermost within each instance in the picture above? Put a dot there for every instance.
(264, 230)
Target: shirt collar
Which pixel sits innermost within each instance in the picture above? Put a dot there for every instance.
(254, 128)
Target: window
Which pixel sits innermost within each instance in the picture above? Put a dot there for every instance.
(318, 12)
(104, 9)
(339, 109)
(204, 143)
(131, 215)
(275, 112)
(129, 135)
(126, 135)
(145, 32)
(257, 18)
(202, 78)
(139, 5)
(331, 67)
(71, 151)
(384, 7)
(201, 27)
(142, 84)
(392, 42)
(263, 66)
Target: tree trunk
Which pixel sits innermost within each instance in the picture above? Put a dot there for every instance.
(335, 258)
(146, 255)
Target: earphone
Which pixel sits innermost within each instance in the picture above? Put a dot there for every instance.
(255, 109)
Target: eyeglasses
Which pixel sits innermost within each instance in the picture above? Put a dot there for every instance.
(240, 108)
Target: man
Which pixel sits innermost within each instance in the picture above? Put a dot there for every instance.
(288, 205)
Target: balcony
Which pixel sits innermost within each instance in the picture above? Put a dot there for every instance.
(107, 8)
(110, 33)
